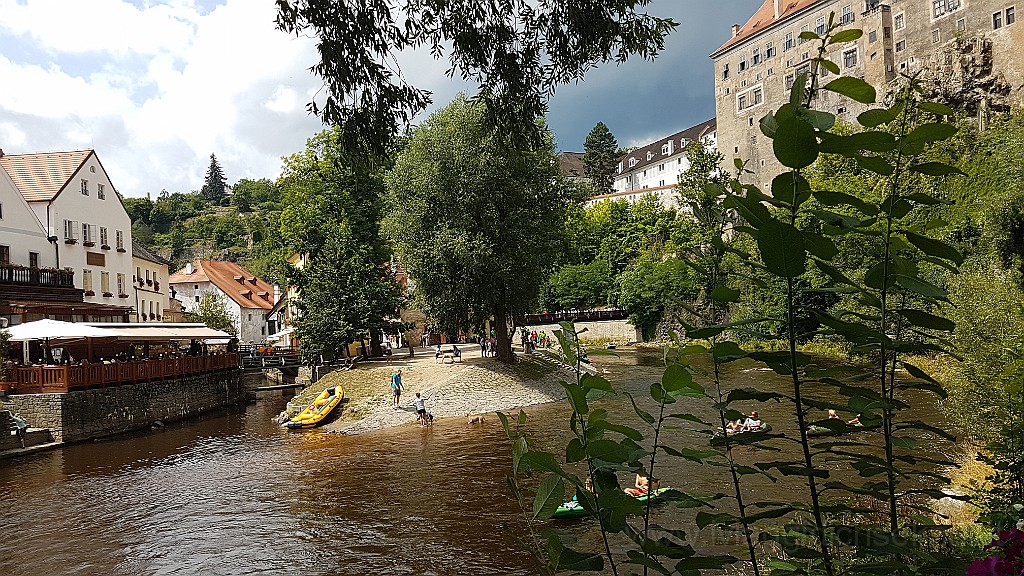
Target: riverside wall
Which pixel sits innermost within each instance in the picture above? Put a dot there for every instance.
(619, 330)
(86, 414)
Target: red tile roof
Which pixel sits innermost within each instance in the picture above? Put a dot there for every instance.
(764, 18)
(41, 176)
(248, 293)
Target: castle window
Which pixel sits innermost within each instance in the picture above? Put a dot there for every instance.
(847, 14)
(800, 39)
(898, 21)
(789, 43)
(850, 58)
(935, 36)
(819, 26)
(873, 36)
(756, 55)
(769, 50)
(725, 71)
(743, 65)
(1011, 16)
(939, 7)
(901, 45)
(997, 20)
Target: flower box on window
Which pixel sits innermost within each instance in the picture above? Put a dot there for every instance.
(156, 286)
(89, 243)
(105, 247)
(108, 294)
(90, 293)
(71, 241)
(121, 249)
(149, 282)
(122, 295)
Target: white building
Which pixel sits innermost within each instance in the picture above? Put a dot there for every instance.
(23, 241)
(654, 168)
(246, 298)
(150, 283)
(80, 211)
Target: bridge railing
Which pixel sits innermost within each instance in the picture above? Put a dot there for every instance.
(596, 315)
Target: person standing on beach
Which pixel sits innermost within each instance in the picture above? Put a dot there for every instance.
(396, 386)
(421, 410)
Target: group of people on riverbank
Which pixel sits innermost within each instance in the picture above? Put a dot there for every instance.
(422, 416)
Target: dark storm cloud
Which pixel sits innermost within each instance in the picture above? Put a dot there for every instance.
(643, 101)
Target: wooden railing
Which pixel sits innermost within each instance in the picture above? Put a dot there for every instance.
(577, 316)
(46, 379)
(14, 274)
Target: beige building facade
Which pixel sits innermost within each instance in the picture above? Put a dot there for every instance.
(969, 51)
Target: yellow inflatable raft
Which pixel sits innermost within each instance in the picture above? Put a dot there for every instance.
(318, 410)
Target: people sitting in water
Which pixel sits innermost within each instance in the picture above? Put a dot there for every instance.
(832, 414)
(734, 426)
(855, 421)
(753, 422)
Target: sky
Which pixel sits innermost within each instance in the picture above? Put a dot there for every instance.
(155, 87)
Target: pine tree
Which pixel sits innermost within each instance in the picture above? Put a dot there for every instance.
(215, 185)
(601, 155)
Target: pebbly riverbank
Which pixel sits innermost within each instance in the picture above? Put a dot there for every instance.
(474, 386)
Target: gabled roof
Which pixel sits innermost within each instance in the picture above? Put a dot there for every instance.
(239, 284)
(764, 18)
(679, 140)
(140, 251)
(41, 176)
(570, 164)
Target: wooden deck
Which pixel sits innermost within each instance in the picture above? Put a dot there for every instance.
(50, 379)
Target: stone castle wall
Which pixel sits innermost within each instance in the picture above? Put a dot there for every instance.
(85, 414)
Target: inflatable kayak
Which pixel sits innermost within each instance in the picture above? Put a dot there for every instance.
(819, 431)
(316, 412)
(574, 509)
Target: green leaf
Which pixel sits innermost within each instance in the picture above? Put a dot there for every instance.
(704, 563)
(643, 414)
(594, 382)
(550, 495)
(933, 247)
(782, 249)
(808, 35)
(936, 169)
(698, 456)
(626, 431)
(829, 198)
(705, 519)
(820, 246)
(872, 141)
(926, 320)
(791, 188)
(678, 382)
(577, 397)
(846, 36)
(768, 125)
(797, 91)
(519, 448)
(725, 294)
(877, 116)
(573, 561)
(937, 108)
(607, 450)
(931, 132)
(795, 143)
(504, 426)
(853, 88)
(876, 164)
(922, 287)
(821, 120)
(828, 65)
(574, 451)
(727, 352)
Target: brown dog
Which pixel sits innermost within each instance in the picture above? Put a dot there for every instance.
(474, 418)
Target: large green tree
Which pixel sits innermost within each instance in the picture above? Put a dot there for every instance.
(347, 291)
(213, 312)
(518, 51)
(600, 157)
(215, 185)
(476, 220)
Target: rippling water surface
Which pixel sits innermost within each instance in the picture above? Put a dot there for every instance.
(232, 493)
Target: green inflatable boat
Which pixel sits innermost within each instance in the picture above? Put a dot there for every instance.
(574, 509)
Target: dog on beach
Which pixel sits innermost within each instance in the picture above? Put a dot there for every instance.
(474, 418)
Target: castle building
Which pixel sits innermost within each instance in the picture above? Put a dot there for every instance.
(654, 168)
(967, 51)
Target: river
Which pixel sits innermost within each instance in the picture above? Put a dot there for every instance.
(232, 493)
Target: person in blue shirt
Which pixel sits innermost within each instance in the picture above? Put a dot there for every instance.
(396, 386)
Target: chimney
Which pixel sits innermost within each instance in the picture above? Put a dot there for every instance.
(1, 152)
(735, 30)
(277, 293)
(778, 8)
(189, 269)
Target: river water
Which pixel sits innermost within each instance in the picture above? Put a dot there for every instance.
(232, 493)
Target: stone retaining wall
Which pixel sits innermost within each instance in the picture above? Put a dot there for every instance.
(85, 414)
(619, 330)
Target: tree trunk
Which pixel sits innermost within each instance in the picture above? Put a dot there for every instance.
(504, 344)
(375, 348)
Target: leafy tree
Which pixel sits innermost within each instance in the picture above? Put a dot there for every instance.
(333, 210)
(213, 312)
(139, 209)
(648, 286)
(578, 286)
(215, 185)
(476, 220)
(600, 158)
(518, 52)
(249, 193)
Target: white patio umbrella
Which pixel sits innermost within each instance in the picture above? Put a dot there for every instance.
(56, 330)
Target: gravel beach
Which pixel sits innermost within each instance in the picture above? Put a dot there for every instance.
(475, 386)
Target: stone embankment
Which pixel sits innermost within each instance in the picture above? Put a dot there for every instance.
(473, 386)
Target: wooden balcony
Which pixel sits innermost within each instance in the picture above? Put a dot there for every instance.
(45, 277)
(57, 379)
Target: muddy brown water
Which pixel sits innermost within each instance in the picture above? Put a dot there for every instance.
(232, 493)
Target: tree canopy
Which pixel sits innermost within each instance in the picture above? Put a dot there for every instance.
(213, 312)
(215, 186)
(601, 157)
(347, 290)
(516, 50)
(475, 220)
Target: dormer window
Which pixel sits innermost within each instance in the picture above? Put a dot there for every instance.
(650, 155)
(252, 280)
(632, 162)
(240, 279)
(665, 149)
(247, 294)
